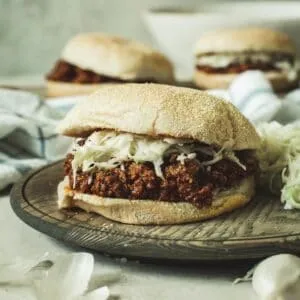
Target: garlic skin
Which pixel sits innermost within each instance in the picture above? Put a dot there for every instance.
(278, 278)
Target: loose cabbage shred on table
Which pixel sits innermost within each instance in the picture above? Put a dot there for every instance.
(279, 157)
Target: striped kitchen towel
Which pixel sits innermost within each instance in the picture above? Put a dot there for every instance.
(27, 135)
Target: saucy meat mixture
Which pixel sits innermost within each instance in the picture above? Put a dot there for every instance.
(66, 72)
(187, 181)
(239, 67)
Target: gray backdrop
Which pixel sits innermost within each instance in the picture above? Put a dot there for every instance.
(32, 32)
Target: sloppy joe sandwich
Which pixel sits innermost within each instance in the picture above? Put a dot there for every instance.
(91, 60)
(157, 154)
(222, 55)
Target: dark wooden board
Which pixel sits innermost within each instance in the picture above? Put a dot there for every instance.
(260, 229)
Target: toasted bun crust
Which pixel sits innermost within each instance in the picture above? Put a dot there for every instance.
(58, 89)
(162, 110)
(117, 57)
(157, 212)
(279, 80)
(244, 39)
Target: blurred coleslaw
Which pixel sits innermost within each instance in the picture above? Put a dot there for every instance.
(279, 158)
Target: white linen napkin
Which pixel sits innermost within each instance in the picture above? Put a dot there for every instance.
(253, 95)
(27, 135)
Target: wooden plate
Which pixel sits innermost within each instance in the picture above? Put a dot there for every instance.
(260, 229)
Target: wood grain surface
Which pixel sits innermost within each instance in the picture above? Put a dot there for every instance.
(260, 229)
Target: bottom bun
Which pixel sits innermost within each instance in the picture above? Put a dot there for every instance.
(61, 89)
(156, 212)
(203, 80)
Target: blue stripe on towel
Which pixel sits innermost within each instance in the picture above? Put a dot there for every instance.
(49, 137)
(42, 140)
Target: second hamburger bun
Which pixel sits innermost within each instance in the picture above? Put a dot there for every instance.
(245, 39)
(240, 42)
(117, 57)
(204, 80)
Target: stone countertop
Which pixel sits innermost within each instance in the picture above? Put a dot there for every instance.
(138, 280)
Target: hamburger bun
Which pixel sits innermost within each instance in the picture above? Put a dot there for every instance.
(162, 110)
(145, 212)
(117, 57)
(156, 111)
(204, 80)
(245, 39)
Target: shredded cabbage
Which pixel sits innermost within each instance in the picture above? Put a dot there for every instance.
(279, 157)
(225, 59)
(224, 153)
(106, 150)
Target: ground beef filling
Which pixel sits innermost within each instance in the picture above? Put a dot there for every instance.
(188, 182)
(237, 67)
(66, 72)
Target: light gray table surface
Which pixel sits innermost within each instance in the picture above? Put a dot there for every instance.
(138, 281)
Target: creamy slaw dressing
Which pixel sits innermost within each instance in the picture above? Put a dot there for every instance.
(109, 149)
(224, 60)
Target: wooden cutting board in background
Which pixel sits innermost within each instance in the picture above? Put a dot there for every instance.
(260, 229)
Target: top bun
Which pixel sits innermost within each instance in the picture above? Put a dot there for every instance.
(117, 57)
(162, 110)
(247, 39)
